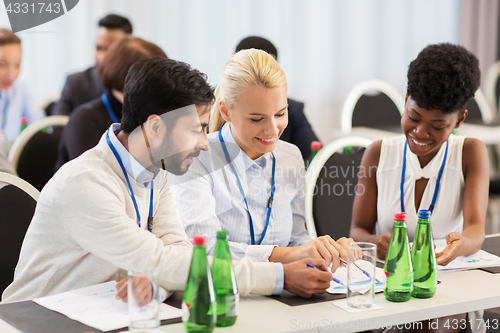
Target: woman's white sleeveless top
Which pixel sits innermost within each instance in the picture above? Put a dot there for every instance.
(447, 215)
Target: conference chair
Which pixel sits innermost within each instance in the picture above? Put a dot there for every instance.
(492, 87)
(479, 111)
(34, 152)
(374, 104)
(331, 181)
(50, 100)
(17, 206)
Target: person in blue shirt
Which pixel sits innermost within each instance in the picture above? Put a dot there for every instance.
(250, 182)
(15, 102)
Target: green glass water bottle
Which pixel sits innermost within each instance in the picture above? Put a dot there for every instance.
(198, 304)
(226, 290)
(398, 268)
(315, 147)
(24, 124)
(423, 258)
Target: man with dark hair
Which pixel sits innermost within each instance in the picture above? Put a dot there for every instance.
(112, 209)
(299, 131)
(85, 86)
(113, 21)
(111, 28)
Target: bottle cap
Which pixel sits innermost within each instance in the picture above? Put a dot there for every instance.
(199, 240)
(315, 145)
(24, 120)
(222, 234)
(424, 214)
(399, 216)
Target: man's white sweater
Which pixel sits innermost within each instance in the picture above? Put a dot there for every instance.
(85, 230)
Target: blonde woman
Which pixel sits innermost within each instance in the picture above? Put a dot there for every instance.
(249, 182)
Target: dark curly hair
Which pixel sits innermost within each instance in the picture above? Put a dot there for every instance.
(158, 85)
(443, 77)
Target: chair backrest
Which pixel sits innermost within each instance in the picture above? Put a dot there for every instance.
(372, 103)
(491, 87)
(17, 206)
(479, 111)
(331, 181)
(50, 100)
(34, 153)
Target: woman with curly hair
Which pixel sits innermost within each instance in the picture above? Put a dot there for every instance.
(441, 80)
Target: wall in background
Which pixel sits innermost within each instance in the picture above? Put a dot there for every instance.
(325, 46)
(478, 30)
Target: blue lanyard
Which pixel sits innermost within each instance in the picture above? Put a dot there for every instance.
(112, 115)
(150, 217)
(438, 181)
(271, 197)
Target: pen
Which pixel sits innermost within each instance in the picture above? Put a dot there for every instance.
(333, 278)
(364, 272)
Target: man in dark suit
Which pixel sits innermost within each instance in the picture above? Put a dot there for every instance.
(298, 131)
(85, 86)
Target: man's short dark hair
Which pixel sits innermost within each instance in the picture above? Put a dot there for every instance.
(443, 77)
(259, 43)
(159, 85)
(113, 21)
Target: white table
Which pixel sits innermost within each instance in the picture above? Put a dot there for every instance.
(367, 132)
(458, 292)
(488, 134)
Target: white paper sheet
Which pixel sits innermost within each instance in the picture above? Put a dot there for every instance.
(476, 260)
(97, 307)
(341, 275)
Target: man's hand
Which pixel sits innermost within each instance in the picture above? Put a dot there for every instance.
(141, 288)
(305, 281)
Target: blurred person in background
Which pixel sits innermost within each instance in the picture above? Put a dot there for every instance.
(16, 105)
(85, 86)
(90, 120)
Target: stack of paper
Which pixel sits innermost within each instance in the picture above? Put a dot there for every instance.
(96, 306)
(479, 259)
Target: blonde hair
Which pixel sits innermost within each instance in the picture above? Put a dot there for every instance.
(245, 69)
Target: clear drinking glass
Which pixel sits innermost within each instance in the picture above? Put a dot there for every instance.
(143, 302)
(361, 261)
